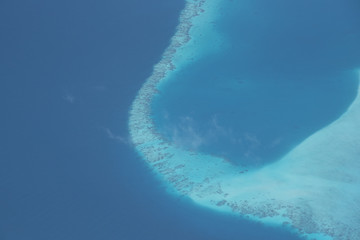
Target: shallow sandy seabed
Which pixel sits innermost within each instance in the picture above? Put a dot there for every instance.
(314, 189)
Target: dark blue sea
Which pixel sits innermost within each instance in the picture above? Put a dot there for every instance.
(286, 70)
(69, 71)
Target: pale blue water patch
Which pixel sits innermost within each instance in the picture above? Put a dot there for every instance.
(268, 77)
(285, 71)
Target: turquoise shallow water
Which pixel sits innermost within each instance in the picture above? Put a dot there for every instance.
(254, 111)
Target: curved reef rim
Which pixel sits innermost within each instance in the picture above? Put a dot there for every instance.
(314, 188)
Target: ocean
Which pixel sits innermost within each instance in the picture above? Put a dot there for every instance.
(70, 71)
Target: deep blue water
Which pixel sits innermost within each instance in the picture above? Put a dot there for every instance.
(286, 71)
(68, 70)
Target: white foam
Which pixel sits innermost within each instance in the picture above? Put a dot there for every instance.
(315, 188)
